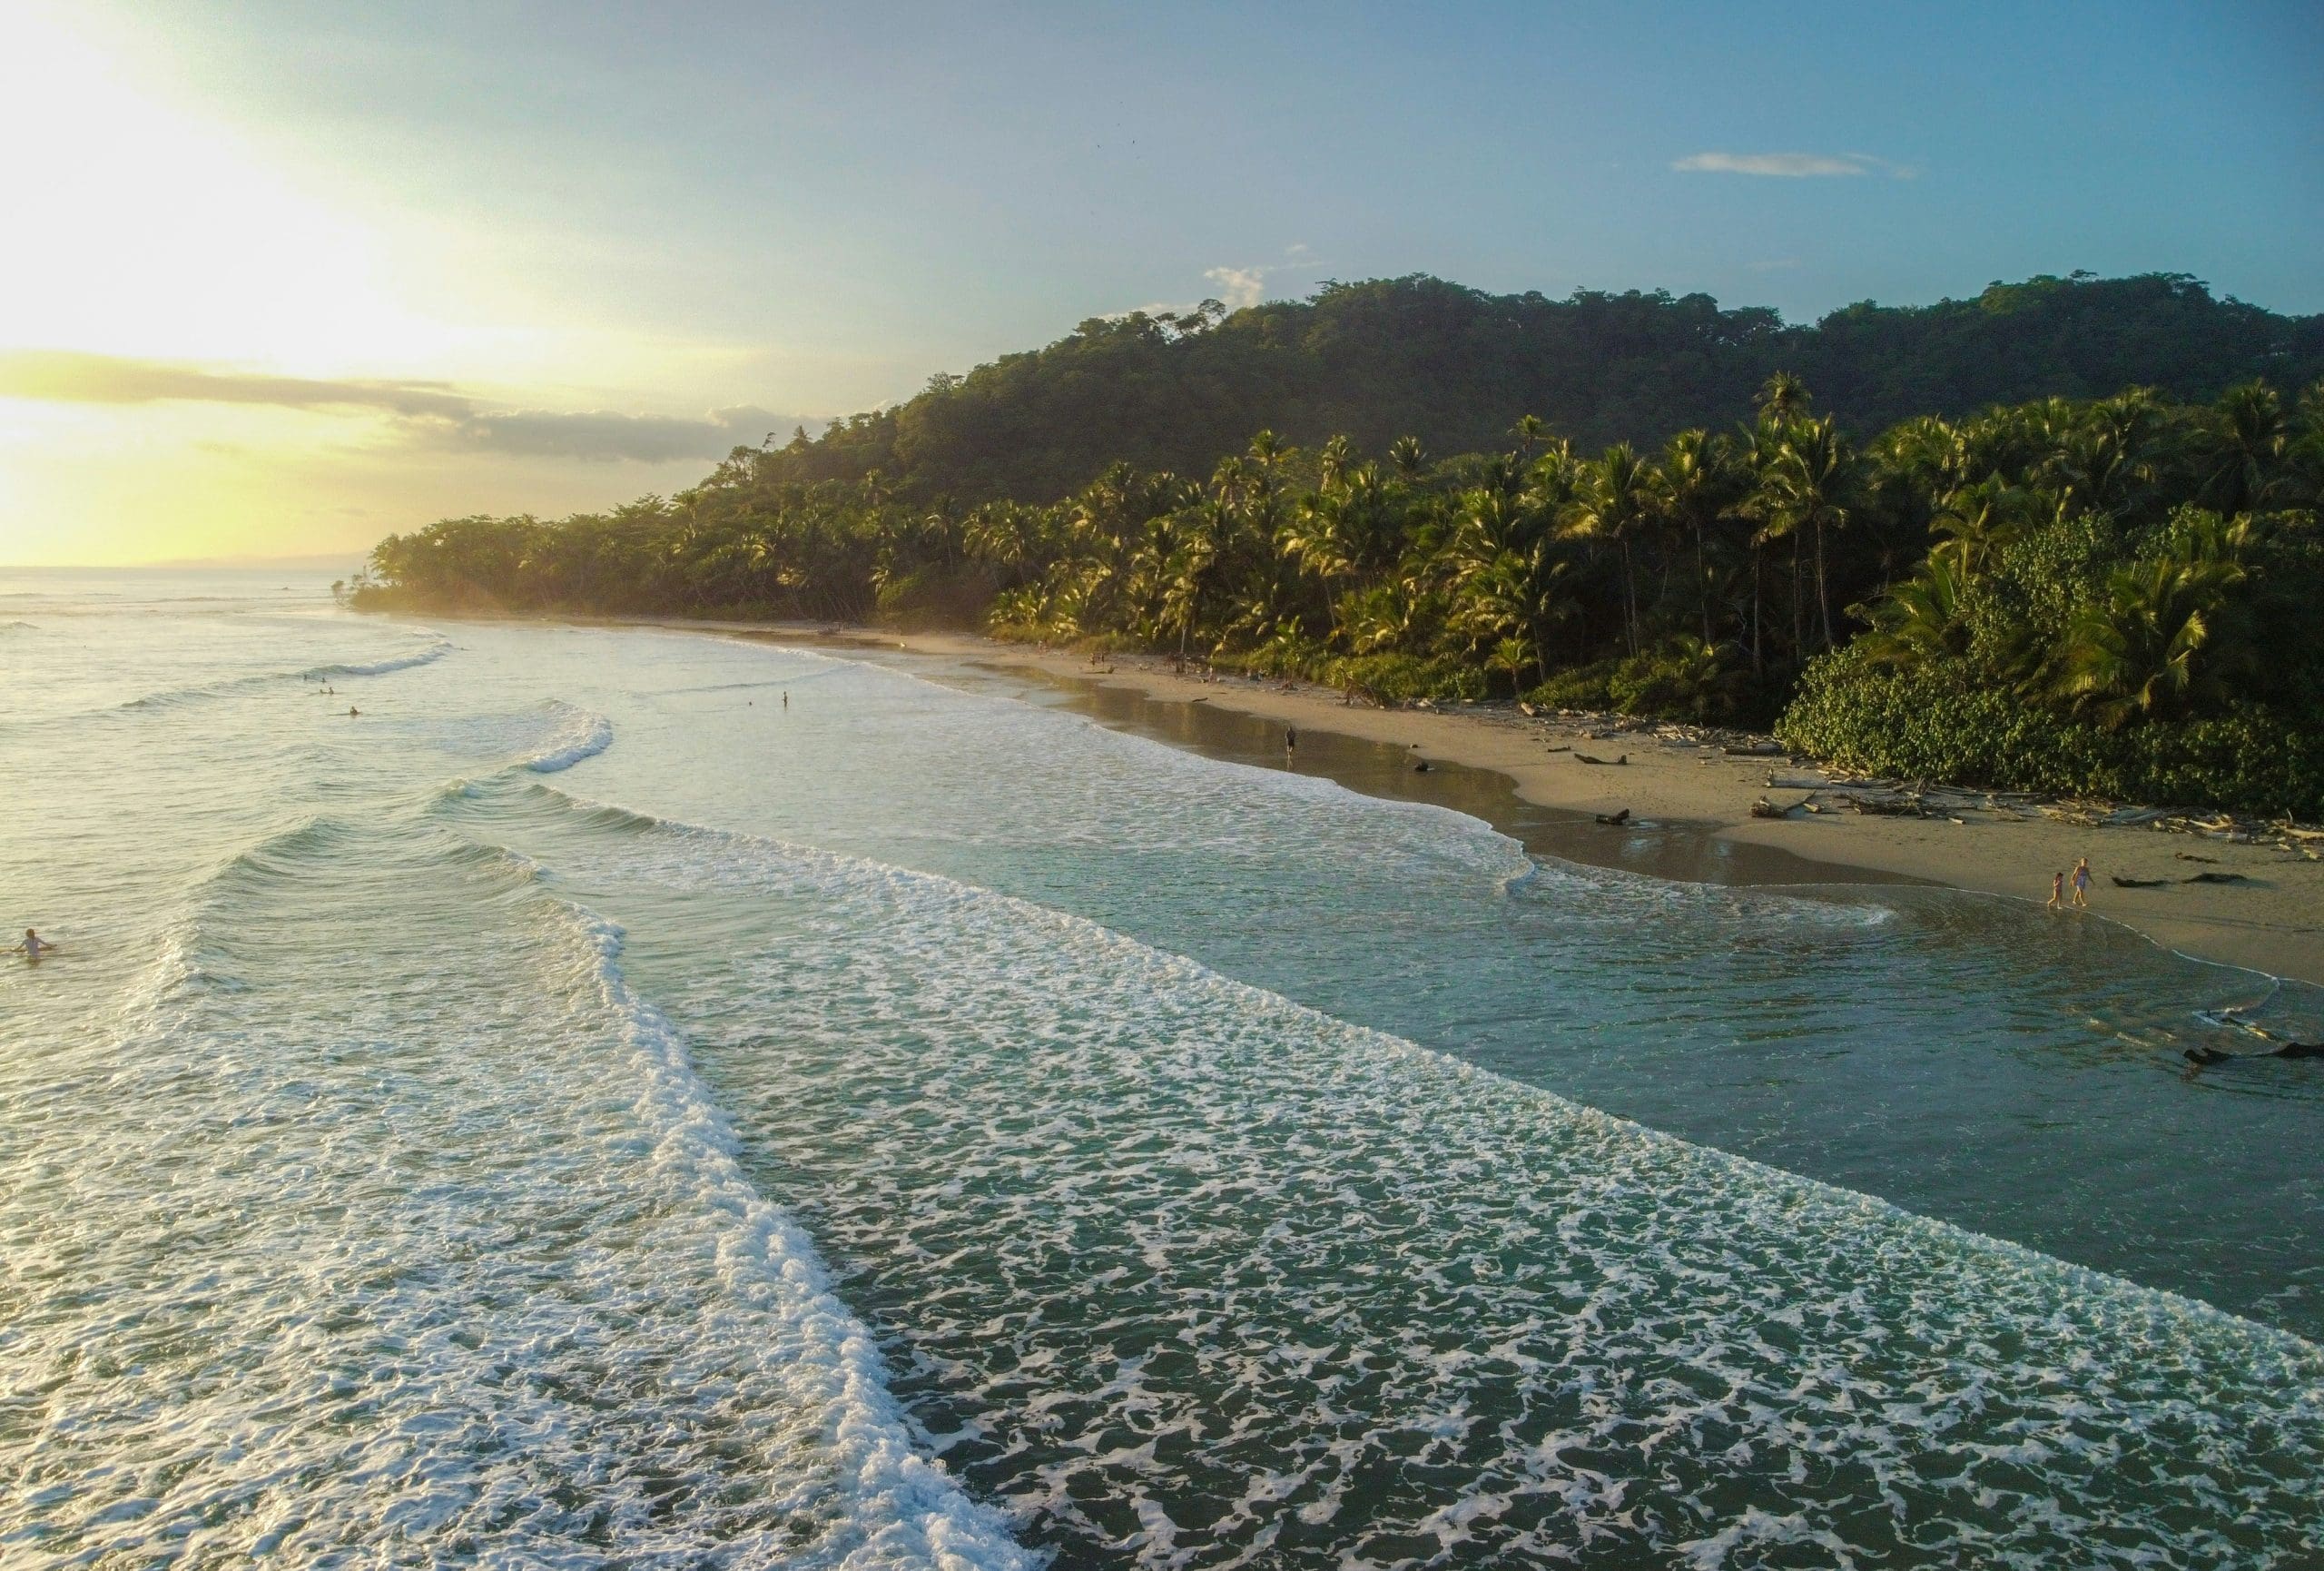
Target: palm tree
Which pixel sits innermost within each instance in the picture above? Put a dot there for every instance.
(1409, 456)
(1805, 488)
(1695, 490)
(1614, 499)
(1920, 619)
(1531, 432)
(1783, 397)
(2147, 647)
(1333, 463)
(2246, 451)
(1977, 521)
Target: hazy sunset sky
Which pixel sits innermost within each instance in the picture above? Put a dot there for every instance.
(278, 278)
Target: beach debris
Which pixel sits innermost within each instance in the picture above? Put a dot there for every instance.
(1754, 750)
(1615, 819)
(2191, 856)
(2122, 882)
(1893, 805)
(1764, 808)
(1526, 710)
(1602, 763)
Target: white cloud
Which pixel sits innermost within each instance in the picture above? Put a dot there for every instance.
(1791, 165)
(1239, 286)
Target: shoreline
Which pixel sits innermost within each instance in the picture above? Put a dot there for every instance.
(1690, 802)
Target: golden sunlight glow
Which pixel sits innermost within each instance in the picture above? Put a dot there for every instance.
(142, 230)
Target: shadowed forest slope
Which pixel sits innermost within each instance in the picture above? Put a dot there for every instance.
(1452, 367)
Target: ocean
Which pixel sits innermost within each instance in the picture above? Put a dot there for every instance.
(544, 1096)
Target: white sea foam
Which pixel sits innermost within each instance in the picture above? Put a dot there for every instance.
(380, 667)
(582, 735)
(1140, 1234)
(477, 1281)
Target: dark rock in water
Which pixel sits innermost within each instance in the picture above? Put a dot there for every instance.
(1615, 818)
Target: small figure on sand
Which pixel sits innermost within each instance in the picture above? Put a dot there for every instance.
(2082, 883)
(34, 947)
(2057, 891)
(786, 698)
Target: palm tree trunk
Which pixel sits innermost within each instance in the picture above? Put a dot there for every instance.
(1758, 656)
(1799, 611)
(1702, 583)
(1823, 594)
(1629, 598)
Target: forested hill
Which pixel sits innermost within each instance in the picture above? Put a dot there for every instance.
(1454, 367)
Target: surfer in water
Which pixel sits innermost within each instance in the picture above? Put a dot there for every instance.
(34, 947)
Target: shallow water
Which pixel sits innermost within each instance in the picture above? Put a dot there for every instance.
(582, 1112)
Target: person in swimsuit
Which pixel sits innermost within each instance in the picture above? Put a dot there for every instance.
(2082, 883)
(34, 947)
(2057, 890)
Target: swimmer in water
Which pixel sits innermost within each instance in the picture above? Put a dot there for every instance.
(352, 709)
(34, 947)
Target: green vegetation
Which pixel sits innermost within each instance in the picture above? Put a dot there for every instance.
(2119, 594)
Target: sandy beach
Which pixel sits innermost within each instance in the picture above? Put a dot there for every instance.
(1690, 805)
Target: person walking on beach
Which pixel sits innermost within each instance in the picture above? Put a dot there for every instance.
(1290, 744)
(2057, 891)
(2082, 883)
(34, 947)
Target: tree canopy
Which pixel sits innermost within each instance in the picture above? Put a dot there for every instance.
(2120, 594)
(1454, 367)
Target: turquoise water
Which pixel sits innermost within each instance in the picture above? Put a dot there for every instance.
(579, 1111)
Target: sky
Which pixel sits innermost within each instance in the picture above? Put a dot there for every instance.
(278, 277)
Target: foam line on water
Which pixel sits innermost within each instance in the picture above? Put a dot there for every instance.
(426, 657)
(583, 736)
(910, 1511)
